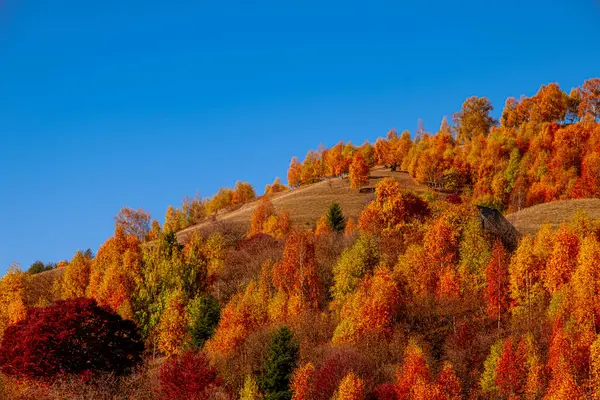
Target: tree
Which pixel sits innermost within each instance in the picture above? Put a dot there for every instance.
(413, 373)
(474, 119)
(351, 388)
(172, 332)
(12, 298)
(203, 313)
(510, 370)
(70, 337)
(275, 187)
(74, 281)
(38, 267)
(134, 222)
(303, 382)
(295, 173)
(371, 310)
(188, 376)
(359, 171)
(353, 265)
(172, 220)
(279, 366)
(242, 193)
(497, 284)
(115, 273)
(250, 391)
(589, 107)
(335, 218)
(296, 273)
(322, 227)
(562, 260)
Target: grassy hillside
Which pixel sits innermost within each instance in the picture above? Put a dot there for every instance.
(528, 221)
(308, 203)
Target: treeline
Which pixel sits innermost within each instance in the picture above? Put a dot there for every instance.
(196, 210)
(545, 148)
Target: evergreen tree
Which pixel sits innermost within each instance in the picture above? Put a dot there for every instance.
(336, 218)
(204, 314)
(279, 366)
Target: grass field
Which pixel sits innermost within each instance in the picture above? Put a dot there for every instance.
(308, 203)
(529, 220)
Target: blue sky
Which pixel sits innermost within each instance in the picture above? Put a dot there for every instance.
(138, 103)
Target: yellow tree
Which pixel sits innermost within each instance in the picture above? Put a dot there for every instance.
(359, 171)
(172, 333)
(75, 279)
(115, 273)
(351, 388)
(12, 298)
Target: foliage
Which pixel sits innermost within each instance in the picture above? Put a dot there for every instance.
(279, 366)
(335, 218)
(70, 337)
(187, 376)
(39, 266)
(134, 222)
(203, 313)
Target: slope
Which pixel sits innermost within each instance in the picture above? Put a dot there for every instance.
(308, 203)
(529, 220)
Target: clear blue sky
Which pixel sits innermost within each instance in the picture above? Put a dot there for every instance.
(138, 103)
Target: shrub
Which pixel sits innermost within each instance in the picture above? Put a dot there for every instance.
(70, 337)
(188, 376)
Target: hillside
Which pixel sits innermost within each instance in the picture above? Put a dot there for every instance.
(528, 220)
(308, 203)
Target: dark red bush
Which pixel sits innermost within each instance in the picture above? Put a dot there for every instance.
(188, 376)
(385, 391)
(70, 337)
(453, 198)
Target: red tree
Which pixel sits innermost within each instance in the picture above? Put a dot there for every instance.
(188, 376)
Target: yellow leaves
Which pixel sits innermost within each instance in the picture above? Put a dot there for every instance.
(172, 332)
(265, 220)
(371, 309)
(244, 313)
(359, 171)
(12, 298)
(302, 382)
(115, 272)
(75, 279)
(250, 391)
(351, 388)
(322, 227)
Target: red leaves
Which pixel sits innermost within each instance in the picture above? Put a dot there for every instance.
(68, 337)
(497, 284)
(510, 370)
(296, 273)
(188, 376)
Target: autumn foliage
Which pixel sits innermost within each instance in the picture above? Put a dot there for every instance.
(70, 337)
(408, 295)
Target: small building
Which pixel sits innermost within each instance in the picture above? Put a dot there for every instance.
(494, 222)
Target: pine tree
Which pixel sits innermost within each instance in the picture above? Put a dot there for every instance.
(336, 218)
(279, 366)
(204, 314)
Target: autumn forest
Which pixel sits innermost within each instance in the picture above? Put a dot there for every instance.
(411, 297)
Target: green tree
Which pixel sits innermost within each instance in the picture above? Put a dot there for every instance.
(279, 366)
(336, 218)
(204, 314)
(38, 267)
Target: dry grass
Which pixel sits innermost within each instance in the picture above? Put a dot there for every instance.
(308, 203)
(529, 220)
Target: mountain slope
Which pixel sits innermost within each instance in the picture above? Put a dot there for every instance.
(308, 203)
(529, 220)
